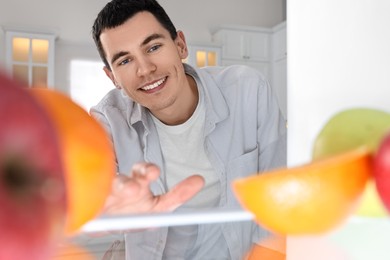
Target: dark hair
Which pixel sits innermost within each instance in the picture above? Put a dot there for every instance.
(117, 12)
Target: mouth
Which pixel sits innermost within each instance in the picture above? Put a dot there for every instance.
(154, 86)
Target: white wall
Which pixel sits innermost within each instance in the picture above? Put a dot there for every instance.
(72, 19)
(66, 52)
(198, 17)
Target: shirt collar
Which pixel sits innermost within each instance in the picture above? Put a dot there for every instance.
(216, 106)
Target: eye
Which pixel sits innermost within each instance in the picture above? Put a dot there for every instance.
(124, 62)
(154, 48)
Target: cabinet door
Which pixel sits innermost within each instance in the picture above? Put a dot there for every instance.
(233, 44)
(244, 45)
(256, 46)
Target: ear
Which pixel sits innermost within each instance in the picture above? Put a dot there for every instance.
(111, 76)
(181, 45)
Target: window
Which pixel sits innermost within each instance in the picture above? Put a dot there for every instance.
(206, 58)
(30, 57)
(203, 55)
(88, 82)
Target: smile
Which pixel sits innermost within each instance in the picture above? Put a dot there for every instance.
(154, 85)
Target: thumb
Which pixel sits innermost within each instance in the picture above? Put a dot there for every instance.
(180, 193)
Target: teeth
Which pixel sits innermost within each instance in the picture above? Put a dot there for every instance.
(154, 85)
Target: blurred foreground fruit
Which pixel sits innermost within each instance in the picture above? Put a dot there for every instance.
(382, 171)
(87, 155)
(32, 192)
(309, 199)
(270, 248)
(371, 204)
(71, 251)
(350, 129)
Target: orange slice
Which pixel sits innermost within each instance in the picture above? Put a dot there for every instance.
(308, 199)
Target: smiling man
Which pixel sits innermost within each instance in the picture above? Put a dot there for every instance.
(147, 64)
(180, 134)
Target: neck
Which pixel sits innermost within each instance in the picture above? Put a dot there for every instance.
(187, 105)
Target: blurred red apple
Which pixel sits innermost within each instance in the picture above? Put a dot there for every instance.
(32, 192)
(382, 171)
(87, 155)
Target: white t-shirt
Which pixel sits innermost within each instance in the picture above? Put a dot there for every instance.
(184, 155)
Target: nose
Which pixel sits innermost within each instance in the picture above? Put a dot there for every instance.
(145, 66)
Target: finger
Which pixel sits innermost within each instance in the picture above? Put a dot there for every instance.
(145, 170)
(121, 184)
(140, 177)
(122, 187)
(132, 194)
(181, 193)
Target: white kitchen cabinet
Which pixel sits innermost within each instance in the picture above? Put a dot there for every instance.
(264, 49)
(243, 43)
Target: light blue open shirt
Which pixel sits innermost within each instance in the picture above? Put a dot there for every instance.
(245, 133)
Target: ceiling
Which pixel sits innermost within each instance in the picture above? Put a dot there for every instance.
(71, 20)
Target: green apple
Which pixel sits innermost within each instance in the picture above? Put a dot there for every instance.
(350, 129)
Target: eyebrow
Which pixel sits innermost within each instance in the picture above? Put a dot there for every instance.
(152, 37)
(148, 39)
(118, 55)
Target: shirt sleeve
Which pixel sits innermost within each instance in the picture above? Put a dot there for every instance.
(272, 130)
(102, 119)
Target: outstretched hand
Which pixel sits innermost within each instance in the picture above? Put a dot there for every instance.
(132, 194)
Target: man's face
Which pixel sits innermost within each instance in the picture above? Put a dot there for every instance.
(145, 61)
